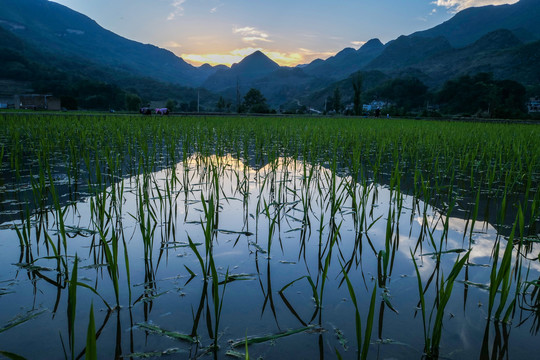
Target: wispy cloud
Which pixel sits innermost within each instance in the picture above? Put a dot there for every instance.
(358, 43)
(458, 5)
(172, 44)
(312, 54)
(334, 37)
(178, 9)
(215, 8)
(251, 35)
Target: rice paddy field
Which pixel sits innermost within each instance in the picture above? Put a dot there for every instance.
(132, 237)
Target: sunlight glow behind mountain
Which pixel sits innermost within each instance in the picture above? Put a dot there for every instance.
(235, 56)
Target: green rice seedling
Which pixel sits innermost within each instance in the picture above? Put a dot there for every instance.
(501, 279)
(217, 299)
(208, 230)
(383, 258)
(111, 256)
(340, 162)
(12, 356)
(247, 351)
(24, 234)
(146, 219)
(193, 247)
(445, 291)
(315, 294)
(324, 273)
(127, 267)
(155, 329)
(61, 260)
(433, 326)
(363, 348)
(72, 306)
(268, 298)
(265, 338)
(21, 319)
(475, 212)
(91, 347)
(60, 213)
(271, 225)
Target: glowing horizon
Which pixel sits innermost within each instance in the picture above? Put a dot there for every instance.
(303, 56)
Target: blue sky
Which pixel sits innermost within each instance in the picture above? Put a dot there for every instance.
(290, 32)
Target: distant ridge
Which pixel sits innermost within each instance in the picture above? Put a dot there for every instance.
(253, 66)
(471, 24)
(62, 31)
(345, 62)
(408, 50)
(504, 40)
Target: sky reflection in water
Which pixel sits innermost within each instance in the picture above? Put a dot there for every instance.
(281, 202)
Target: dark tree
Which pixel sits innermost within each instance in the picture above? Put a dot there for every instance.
(171, 104)
(510, 99)
(255, 102)
(336, 100)
(133, 102)
(357, 97)
(481, 94)
(408, 93)
(220, 106)
(68, 102)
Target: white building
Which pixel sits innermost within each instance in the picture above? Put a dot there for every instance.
(534, 104)
(374, 105)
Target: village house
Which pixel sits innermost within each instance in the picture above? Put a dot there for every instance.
(374, 105)
(6, 102)
(37, 102)
(533, 106)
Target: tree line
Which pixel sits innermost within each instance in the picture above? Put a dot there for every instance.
(468, 95)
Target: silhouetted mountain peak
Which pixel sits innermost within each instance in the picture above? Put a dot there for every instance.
(345, 62)
(254, 66)
(345, 52)
(373, 44)
(256, 62)
(258, 53)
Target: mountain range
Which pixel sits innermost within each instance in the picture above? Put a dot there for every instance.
(504, 40)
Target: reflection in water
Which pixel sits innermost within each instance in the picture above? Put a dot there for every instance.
(213, 250)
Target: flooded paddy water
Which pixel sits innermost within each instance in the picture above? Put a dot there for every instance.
(197, 238)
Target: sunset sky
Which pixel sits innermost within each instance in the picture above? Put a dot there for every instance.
(291, 32)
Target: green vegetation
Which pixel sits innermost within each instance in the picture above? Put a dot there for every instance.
(84, 85)
(481, 93)
(254, 102)
(188, 225)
